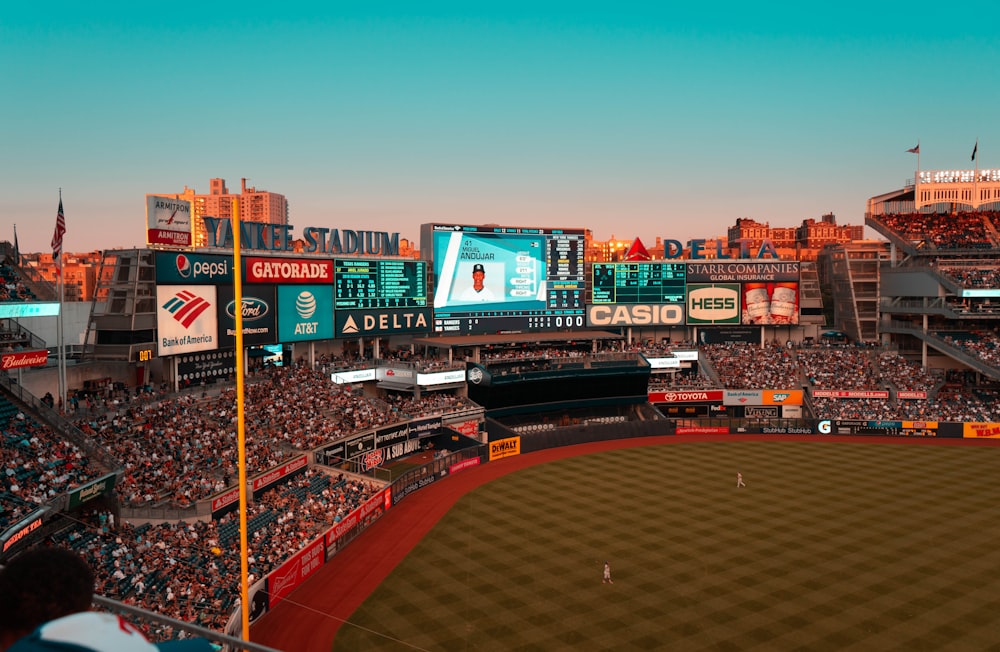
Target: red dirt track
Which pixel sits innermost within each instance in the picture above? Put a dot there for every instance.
(308, 619)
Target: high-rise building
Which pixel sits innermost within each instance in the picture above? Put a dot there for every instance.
(255, 206)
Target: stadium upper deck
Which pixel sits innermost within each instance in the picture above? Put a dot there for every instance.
(940, 288)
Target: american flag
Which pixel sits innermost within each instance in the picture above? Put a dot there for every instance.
(57, 238)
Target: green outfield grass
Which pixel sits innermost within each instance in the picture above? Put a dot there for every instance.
(831, 546)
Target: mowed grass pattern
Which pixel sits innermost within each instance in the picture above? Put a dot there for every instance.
(831, 546)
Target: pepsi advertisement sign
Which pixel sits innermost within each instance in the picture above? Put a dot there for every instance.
(201, 269)
(305, 312)
(259, 316)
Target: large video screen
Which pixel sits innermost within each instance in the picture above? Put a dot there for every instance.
(490, 279)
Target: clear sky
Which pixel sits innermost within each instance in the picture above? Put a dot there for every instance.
(631, 119)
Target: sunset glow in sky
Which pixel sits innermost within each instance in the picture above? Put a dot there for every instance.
(631, 119)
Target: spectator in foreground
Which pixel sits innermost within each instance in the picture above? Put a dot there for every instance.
(45, 600)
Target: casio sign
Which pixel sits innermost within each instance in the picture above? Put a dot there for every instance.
(635, 315)
(713, 303)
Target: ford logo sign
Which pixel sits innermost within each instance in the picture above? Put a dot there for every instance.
(253, 308)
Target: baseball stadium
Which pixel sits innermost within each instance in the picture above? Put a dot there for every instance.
(783, 440)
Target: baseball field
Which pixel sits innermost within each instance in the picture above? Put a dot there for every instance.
(832, 545)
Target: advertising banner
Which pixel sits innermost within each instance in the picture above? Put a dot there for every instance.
(368, 513)
(359, 445)
(849, 393)
(168, 221)
(502, 448)
(441, 378)
(690, 396)
(305, 312)
(715, 303)
(198, 269)
(702, 430)
(20, 532)
(981, 430)
(604, 316)
(287, 270)
(361, 323)
(296, 570)
(743, 397)
(350, 376)
(259, 316)
(664, 363)
(782, 397)
(23, 359)
(768, 290)
(199, 366)
(227, 501)
(726, 334)
(744, 271)
(186, 319)
(91, 490)
(270, 478)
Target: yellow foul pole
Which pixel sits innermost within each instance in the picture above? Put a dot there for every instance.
(241, 439)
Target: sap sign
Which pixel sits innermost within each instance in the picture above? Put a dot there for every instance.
(635, 315)
(717, 303)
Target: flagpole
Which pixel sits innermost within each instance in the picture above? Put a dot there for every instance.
(57, 244)
(62, 336)
(975, 175)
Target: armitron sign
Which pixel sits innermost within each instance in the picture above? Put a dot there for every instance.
(23, 359)
(635, 315)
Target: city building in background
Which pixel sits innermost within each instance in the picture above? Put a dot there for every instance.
(255, 206)
(79, 272)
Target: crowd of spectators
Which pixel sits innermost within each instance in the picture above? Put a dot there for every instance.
(977, 277)
(960, 230)
(182, 449)
(12, 287)
(36, 465)
(741, 365)
(906, 375)
(191, 570)
(980, 344)
(179, 449)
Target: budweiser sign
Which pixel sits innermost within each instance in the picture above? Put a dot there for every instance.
(25, 359)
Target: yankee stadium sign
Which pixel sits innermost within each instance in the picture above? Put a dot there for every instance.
(258, 236)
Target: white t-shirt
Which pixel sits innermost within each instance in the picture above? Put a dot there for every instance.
(483, 296)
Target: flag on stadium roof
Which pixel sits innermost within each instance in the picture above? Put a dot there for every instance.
(914, 150)
(974, 149)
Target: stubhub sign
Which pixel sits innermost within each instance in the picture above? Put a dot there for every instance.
(716, 303)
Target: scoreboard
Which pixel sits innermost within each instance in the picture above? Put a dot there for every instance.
(529, 278)
(646, 282)
(363, 284)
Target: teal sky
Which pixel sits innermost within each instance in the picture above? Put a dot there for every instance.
(631, 119)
